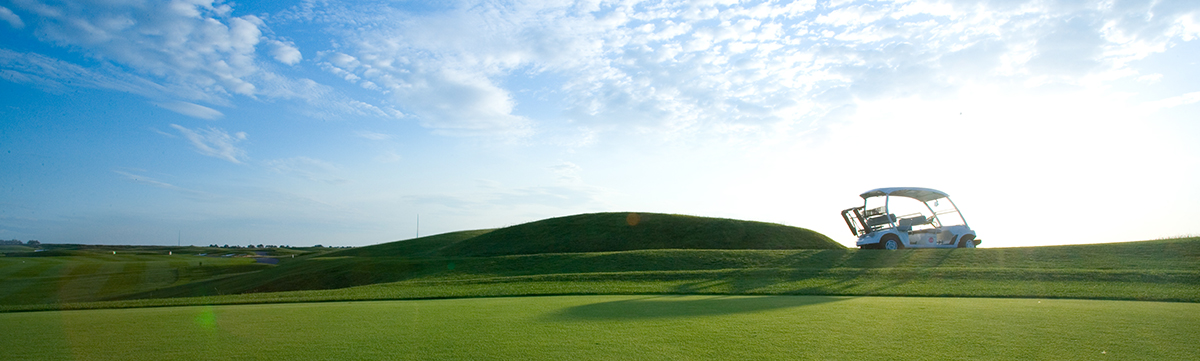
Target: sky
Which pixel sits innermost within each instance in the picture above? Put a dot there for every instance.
(362, 122)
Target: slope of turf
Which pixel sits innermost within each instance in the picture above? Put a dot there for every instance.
(450, 265)
(85, 273)
(620, 327)
(1164, 270)
(607, 232)
(414, 248)
(95, 276)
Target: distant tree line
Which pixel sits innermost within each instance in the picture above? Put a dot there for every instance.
(271, 246)
(248, 246)
(17, 242)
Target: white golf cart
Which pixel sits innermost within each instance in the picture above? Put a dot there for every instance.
(928, 219)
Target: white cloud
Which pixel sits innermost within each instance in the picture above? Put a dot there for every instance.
(285, 52)
(142, 179)
(185, 45)
(1185, 99)
(147, 180)
(389, 157)
(730, 69)
(461, 104)
(373, 135)
(12, 19)
(550, 197)
(567, 172)
(308, 168)
(57, 76)
(195, 50)
(191, 110)
(215, 142)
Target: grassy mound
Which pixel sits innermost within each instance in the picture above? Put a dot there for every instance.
(413, 248)
(608, 232)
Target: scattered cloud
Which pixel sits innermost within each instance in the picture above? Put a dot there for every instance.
(196, 51)
(389, 157)
(162, 133)
(741, 69)
(59, 76)
(146, 180)
(1185, 99)
(373, 135)
(554, 197)
(215, 142)
(567, 172)
(142, 179)
(196, 47)
(308, 168)
(191, 110)
(285, 52)
(12, 19)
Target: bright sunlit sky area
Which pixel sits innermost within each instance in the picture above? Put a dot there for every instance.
(341, 123)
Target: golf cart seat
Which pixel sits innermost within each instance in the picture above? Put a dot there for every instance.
(906, 224)
(879, 221)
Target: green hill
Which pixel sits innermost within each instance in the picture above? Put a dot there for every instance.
(413, 248)
(608, 232)
(569, 244)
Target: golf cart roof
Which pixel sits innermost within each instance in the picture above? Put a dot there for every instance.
(921, 194)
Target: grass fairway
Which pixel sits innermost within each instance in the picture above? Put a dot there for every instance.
(628, 327)
(1162, 270)
(93, 276)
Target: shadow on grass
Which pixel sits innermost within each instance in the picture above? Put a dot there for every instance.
(683, 306)
(838, 271)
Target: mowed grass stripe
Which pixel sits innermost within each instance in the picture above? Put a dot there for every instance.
(929, 268)
(40, 267)
(621, 327)
(14, 267)
(175, 267)
(72, 282)
(158, 274)
(675, 283)
(86, 282)
(126, 281)
(1152, 270)
(38, 284)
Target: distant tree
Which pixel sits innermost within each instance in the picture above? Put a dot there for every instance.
(32, 242)
(15, 242)
(317, 246)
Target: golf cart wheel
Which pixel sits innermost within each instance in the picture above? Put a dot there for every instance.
(967, 241)
(891, 243)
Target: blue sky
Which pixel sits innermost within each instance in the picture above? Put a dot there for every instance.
(338, 123)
